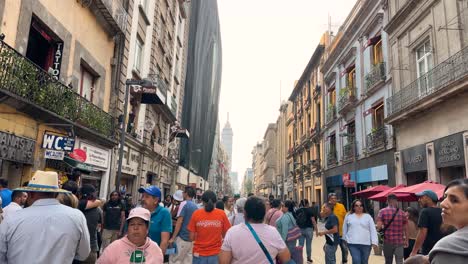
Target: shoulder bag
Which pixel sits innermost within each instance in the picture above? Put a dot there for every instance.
(382, 231)
(271, 216)
(294, 232)
(260, 243)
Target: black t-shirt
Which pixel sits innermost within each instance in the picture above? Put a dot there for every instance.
(92, 219)
(332, 239)
(112, 215)
(431, 219)
(308, 213)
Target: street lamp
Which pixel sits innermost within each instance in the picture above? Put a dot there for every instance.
(145, 83)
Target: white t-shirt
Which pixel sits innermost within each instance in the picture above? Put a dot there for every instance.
(245, 249)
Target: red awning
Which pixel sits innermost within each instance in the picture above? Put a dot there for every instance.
(371, 191)
(411, 191)
(382, 196)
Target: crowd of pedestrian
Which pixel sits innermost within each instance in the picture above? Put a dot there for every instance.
(44, 222)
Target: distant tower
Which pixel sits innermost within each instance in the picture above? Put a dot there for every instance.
(226, 140)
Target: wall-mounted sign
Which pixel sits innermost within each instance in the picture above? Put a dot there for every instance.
(54, 154)
(96, 156)
(414, 159)
(58, 142)
(79, 155)
(17, 149)
(57, 60)
(449, 151)
(131, 161)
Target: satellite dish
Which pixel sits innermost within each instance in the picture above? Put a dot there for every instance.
(172, 145)
(149, 124)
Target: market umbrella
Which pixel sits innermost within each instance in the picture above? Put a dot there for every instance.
(371, 191)
(411, 191)
(382, 196)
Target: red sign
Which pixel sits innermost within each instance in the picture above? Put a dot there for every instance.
(79, 155)
(346, 177)
(349, 184)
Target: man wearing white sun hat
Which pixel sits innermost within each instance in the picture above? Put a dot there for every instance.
(46, 231)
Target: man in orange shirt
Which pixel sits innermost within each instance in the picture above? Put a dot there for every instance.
(207, 229)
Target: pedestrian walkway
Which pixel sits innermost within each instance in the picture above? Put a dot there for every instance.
(318, 256)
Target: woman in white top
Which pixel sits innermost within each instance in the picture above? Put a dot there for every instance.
(359, 232)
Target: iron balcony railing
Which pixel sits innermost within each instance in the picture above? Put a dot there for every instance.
(331, 157)
(331, 113)
(376, 75)
(348, 151)
(453, 69)
(376, 139)
(347, 96)
(22, 78)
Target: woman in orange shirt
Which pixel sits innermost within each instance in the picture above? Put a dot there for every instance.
(207, 229)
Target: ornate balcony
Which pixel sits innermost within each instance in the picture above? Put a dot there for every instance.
(443, 80)
(25, 81)
(346, 99)
(348, 151)
(375, 77)
(377, 139)
(331, 113)
(111, 11)
(332, 157)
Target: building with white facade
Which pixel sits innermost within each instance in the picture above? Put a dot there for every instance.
(358, 144)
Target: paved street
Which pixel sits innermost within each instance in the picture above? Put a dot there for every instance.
(319, 257)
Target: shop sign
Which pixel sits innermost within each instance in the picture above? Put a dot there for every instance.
(414, 159)
(54, 154)
(349, 184)
(79, 155)
(96, 156)
(57, 60)
(449, 151)
(131, 161)
(17, 149)
(57, 142)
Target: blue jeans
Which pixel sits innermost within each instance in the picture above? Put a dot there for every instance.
(307, 235)
(330, 253)
(359, 253)
(205, 260)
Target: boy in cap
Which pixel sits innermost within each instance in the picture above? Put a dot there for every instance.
(430, 220)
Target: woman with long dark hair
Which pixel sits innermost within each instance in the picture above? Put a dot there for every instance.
(286, 223)
(359, 232)
(207, 229)
(452, 249)
(413, 215)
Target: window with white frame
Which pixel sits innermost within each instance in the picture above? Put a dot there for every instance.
(423, 66)
(138, 55)
(87, 81)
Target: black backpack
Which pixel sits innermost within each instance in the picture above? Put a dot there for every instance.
(301, 218)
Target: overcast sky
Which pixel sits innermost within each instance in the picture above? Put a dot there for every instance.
(265, 43)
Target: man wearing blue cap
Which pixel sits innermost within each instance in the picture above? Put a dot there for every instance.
(430, 220)
(160, 226)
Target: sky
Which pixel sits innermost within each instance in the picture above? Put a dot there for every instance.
(266, 45)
